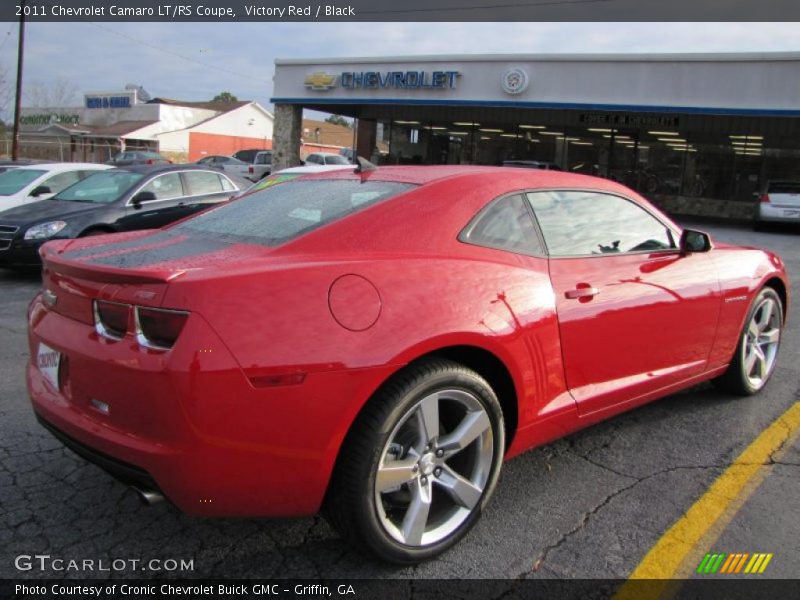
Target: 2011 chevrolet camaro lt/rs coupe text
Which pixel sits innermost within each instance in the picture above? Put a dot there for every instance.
(375, 344)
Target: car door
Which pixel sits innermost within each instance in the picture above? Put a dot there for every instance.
(166, 207)
(635, 315)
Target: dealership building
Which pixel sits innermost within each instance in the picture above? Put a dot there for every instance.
(697, 133)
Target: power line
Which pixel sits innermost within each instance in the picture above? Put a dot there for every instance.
(181, 56)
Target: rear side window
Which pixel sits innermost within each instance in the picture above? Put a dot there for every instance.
(203, 182)
(506, 224)
(277, 214)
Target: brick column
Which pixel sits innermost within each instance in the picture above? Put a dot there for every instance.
(366, 138)
(286, 136)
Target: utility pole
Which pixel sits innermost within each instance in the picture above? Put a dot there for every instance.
(18, 98)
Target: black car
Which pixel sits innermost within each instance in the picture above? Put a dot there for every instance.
(110, 201)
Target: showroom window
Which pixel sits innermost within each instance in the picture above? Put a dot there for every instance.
(585, 223)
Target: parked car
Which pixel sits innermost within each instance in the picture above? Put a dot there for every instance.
(258, 169)
(780, 203)
(378, 343)
(347, 153)
(219, 162)
(532, 164)
(27, 184)
(130, 158)
(326, 158)
(114, 200)
(248, 155)
(292, 173)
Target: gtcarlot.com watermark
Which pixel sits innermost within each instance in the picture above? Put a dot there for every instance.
(48, 563)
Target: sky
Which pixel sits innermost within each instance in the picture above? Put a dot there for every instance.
(195, 61)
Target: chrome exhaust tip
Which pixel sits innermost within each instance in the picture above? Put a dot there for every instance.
(148, 497)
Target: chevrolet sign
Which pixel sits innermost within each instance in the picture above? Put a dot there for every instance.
(320, 81)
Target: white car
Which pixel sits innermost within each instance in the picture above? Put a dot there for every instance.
(35, 182)
(780, 203)
(292, 173)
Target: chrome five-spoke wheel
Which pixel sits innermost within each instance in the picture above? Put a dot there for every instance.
(434, 467)
(757, 352)
(420, 463)
(761, 338)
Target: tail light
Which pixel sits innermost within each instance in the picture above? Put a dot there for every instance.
(251, 170)
(159, 328)
(150, 161)
(111, 319)
(764, 198)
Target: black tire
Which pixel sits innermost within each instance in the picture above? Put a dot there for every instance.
(351, 505)
(735, 379)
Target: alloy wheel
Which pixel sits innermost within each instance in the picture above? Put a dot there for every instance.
(434, 468)
(761, 339)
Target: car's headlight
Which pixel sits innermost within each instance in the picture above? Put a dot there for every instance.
(44, 230)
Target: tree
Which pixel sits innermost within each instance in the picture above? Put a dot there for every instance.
(339, 120)
(56, 94)
(224, 97)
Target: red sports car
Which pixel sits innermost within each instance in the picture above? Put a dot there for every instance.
(375, 344)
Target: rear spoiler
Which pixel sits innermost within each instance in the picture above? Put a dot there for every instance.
(104, 273)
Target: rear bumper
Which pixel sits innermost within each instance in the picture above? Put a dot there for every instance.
(188, 422)
(778, 214)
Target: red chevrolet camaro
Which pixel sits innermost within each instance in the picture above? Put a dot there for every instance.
(375, 344)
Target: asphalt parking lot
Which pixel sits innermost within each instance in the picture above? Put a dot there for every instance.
(589, 506)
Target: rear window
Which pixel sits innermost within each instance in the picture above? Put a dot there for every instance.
(784, 187)
(277, 214)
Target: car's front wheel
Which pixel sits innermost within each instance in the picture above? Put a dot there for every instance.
(420, 463)
(757, 351)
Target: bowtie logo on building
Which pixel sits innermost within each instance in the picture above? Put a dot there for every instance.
(734, 563)
(320, 81)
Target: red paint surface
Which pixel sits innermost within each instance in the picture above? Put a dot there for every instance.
(194, 420)
(210, 144)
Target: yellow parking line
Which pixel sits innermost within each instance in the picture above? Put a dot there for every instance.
(704, 521)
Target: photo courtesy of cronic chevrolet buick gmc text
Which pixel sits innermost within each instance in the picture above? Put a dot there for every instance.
(374, 344)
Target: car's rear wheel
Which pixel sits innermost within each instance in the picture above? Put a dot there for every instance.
(757, 351)
(420, 463)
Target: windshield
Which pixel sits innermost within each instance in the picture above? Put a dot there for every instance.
(101, 188)
(14, 180)
(276, 214)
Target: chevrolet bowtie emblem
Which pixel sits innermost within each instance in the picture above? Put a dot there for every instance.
(320, 81)
(50, 298)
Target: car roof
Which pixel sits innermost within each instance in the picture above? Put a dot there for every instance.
(150, 169)
(499, 176)
(323, 154)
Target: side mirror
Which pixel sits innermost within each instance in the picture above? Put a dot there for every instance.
(40, 191)
(694, 241)
(141, 197)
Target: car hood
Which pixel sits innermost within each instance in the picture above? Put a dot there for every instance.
(35, 212)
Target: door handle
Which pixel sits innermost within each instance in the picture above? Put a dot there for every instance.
(582, 290)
